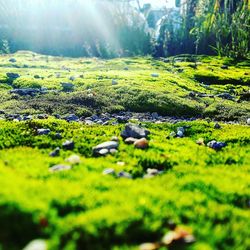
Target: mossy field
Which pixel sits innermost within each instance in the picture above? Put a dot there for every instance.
(74, 199)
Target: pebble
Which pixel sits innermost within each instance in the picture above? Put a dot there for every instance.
(149, 246)
(72, 118)
(180, 134)
(43, 131)
(105, 148)
(114, 82)
(60, 167)
(200, 142)
(141, 143)
(55, 152)
(103, 152)
(216, 145)
(217, 126)
(74, 159)
(68, 145)
(115, 138)
(155, 75)
(12, 75)
(134, 131)
(108, 171)
(248, 121)
(123, 174)
(12, 60)
(130, 140)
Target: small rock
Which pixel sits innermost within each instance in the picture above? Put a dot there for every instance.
(55, 152)
(43, 131)
(180, 134)
(72, 78)
(149, 246)
(216, 145)
(108, 171)
(200, 142)
(12, 76)
(37, 77)
(226, 96)
(179, 235)
(114, 82)
(224, 67)
(68, 145)
(217, 126)
(74, 159)
(155, 115)
(123, 174)
(155, 75)
(72, 118)
(58, 136)
(12, 60)
(42, 116)
(172, 134)
(130, 140)
(37, 245)
(134, 131)
(103, 152)
(248, 121)
(113, 151)
(67, 86)
(152, 171)
(104, 148)
(115, 138)
(60, 167)
(125, 68)
(141, 143)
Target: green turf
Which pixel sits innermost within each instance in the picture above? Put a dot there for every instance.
(136, 90)
(200, 188)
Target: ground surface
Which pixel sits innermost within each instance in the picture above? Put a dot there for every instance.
(211, 87)
(201, 189)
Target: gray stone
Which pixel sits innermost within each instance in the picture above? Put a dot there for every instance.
(248, 121)
(12, 60)
(72, 118)
(60, 167)
(216, 145)
(217, 126)
(108, 171)
(12, 76)
(155, 75)
(134, 131)
(123, 174)
(155, 115)
(26, 91)
(114, 82)
(55, 152)
(67, 86)
(43, 131)
(102, 148)
(68, 145)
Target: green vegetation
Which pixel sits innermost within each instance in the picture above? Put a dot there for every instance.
(205, 190)
(177, 91)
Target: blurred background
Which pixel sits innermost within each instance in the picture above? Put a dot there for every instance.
(115, 28)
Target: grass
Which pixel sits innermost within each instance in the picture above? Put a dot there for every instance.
(205, 190)
(137, 90)
(200, 188)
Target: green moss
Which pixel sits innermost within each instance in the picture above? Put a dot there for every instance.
(82, 209)
(136, 90)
